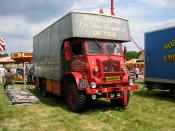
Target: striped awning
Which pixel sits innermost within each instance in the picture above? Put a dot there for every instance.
(6, 60)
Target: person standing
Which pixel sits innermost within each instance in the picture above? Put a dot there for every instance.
(8, 79)
(2, 74)
(13, 70)
(137, 72)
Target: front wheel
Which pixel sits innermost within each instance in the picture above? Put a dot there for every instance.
(119, 102)
(75, 99)
(172, 91)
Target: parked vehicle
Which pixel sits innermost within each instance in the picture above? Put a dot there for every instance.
(81, 56)
(160, 59)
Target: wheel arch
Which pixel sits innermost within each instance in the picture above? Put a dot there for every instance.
(71, 77)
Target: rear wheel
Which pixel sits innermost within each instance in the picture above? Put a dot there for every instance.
(43, 88)
(172, 91)
(75, 99)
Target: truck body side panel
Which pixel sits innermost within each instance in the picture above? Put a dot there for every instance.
(48, 43)
(53, 86)
(160, 56)
(47, 48)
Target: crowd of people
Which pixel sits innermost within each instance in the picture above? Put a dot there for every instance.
(135, 73)
(7, 75)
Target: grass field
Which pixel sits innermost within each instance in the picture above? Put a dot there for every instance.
(153, 112)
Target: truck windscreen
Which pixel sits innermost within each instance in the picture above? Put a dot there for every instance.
(104, 47)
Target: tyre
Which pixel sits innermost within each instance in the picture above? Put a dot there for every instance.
(75, 99)
(43, 88)
(119, 102)
(172, 93)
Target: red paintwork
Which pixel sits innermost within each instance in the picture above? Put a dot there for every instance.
(53, 86)
(77, 77)
(125, 99)
(67, 50)
(109, 66)
(37, 82)
(82, 67)
(134, 87)
(122, 90)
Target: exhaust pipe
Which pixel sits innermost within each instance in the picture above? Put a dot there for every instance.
(112, 7)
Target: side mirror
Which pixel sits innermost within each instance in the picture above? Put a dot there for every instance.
(125, 53)
(67, 50)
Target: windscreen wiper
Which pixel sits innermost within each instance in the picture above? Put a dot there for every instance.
(98, 44)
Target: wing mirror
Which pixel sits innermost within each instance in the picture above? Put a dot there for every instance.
(125, 53)
(67, 50)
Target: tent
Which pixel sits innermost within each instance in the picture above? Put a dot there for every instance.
(21, 57)
(132, 61)
(131, 64)
(24, 58)
(6, 60)
(141, 58)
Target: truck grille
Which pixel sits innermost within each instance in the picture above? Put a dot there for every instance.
(111, 66)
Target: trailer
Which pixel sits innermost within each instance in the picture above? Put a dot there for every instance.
(81, 57)
(21, 97)
(160, 59)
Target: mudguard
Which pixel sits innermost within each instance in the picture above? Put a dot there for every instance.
(125, 78)
(75, 76)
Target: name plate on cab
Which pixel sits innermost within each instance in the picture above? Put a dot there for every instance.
(112, 78)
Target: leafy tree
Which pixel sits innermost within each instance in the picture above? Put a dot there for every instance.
(132, 55)
(3, 54)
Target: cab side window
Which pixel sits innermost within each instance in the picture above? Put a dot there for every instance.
(77, 48)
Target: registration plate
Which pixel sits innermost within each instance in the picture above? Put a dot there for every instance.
(112, 78)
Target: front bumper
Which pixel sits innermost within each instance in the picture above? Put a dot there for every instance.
(112, 92)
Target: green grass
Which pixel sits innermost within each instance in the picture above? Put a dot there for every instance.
(152, 112)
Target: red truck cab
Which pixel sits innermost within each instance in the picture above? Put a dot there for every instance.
(95, 68)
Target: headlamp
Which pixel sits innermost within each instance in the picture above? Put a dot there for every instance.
(93, 85)
(96, 69)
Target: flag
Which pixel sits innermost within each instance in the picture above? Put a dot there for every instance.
(2, 44)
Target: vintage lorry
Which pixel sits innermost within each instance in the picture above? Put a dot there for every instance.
(160, 59)
(81, 56)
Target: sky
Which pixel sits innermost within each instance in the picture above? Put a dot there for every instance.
(20, 20)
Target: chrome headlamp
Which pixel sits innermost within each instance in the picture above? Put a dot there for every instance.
(93, 85)
(95, 69)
